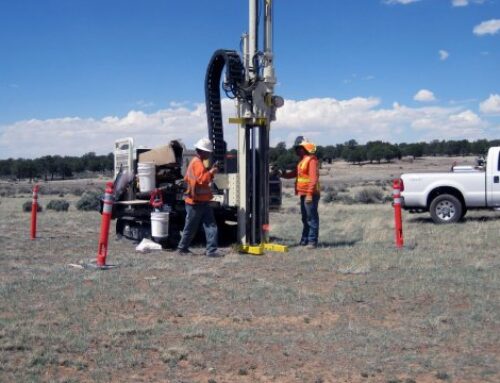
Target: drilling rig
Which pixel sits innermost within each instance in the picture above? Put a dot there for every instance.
(249, 79)
(243, 192)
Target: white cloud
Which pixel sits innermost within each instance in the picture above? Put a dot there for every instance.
(332, 121)
(75, 135)
(404, 2)
(452, 125)
(145, 104)
(463, 101)
(489, 27)
(355, 77)
(464, 3)
(424, 95)
(325, 120)
(465, 119)
(491, 105)
(443, 55)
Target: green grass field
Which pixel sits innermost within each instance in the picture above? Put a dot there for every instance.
(354, 310)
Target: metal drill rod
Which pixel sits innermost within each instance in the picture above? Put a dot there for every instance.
(248, 183)
(254, 189)
(264, 181)
(268, 27)
(253, 33)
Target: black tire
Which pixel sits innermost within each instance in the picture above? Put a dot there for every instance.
(464, 212)
(445, 209)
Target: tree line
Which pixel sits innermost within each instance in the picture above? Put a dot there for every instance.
(378, 151)
(57, 167)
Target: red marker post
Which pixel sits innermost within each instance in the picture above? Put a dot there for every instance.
(34, 210)
(107, 208)
(398, 222)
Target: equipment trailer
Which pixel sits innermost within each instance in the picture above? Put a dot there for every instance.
(134, 206)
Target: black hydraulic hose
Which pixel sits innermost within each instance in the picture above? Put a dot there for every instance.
(235, 77)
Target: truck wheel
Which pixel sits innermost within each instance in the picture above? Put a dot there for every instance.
(446, 208)
(464, 212)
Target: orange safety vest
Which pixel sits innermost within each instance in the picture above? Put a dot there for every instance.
(198, 180)
(307, 182)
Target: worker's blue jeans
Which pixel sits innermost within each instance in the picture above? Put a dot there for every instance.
(204, 213)
(310, 220)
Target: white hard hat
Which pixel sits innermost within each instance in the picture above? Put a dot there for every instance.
(204, 144)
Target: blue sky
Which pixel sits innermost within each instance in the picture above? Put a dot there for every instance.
(76, 75)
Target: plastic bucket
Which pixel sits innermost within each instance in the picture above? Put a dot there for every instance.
(159, 224)
(146, 172)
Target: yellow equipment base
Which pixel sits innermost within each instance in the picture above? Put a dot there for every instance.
(259, 249)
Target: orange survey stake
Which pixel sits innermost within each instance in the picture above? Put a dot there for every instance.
(107, 209)
(398, 223)
(34, 210)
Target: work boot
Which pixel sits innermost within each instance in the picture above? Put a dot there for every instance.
(180, 251)
(215, 254)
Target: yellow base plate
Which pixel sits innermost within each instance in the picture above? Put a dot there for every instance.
(259, 249)
(275, 247)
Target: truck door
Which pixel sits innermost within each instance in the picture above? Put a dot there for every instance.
(493, 178)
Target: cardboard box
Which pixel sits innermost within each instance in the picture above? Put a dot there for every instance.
(161, 155)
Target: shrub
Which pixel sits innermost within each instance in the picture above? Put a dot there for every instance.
(369, 195)
(345, 198)
(23, 189)
(58, 205)
(89, 201)
(8, 192)
(77, 191)
(27, 207)
(44, 189)
(329, 196)
(342, 188)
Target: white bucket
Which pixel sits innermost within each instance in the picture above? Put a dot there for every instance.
(146, 172)
(159, 224)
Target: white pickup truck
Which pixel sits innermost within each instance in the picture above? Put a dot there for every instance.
(448, 195)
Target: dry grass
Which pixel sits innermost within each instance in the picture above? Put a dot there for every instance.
(354, 310)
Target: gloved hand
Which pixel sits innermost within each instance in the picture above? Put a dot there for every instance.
(214, 169)
(309, 198)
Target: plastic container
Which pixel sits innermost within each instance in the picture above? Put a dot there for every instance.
(159, 224)
(147, 177)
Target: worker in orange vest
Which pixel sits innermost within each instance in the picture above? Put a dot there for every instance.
(198, 194)
(307, 188)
